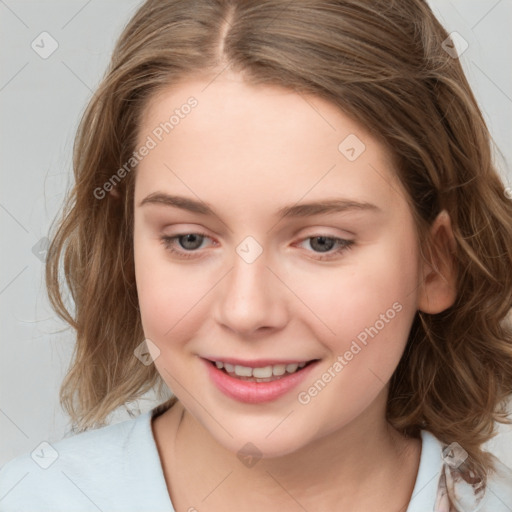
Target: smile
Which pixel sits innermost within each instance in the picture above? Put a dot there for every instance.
(259, 374)
(263, 381)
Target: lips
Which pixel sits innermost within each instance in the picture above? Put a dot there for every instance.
(248, 387)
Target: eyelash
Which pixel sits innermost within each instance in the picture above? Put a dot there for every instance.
(344, 245)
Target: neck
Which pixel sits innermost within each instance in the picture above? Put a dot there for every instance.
(358, 467)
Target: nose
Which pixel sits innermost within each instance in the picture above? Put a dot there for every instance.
(252, 299)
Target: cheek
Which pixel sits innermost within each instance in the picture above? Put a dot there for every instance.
(162, 295)
(370, 309)
(367, 307)
(384, 306)
(172, 299)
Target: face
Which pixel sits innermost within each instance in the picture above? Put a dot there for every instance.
(312, 303)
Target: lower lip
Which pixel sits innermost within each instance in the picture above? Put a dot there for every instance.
(256, 392)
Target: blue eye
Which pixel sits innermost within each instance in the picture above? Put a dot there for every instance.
(326, 243)
(189, 243)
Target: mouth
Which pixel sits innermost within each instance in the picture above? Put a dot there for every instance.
(259, 372)
(257, 382)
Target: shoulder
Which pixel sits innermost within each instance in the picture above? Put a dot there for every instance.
(499, 488)
(105, 468)
(455, 486)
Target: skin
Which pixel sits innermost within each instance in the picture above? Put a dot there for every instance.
(248, 151)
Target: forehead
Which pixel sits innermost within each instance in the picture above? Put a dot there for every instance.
(229, 108)
(243, 140)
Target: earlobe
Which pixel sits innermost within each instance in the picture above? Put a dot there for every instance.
(439, 273)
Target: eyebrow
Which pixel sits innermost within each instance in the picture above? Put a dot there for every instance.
(297, 210)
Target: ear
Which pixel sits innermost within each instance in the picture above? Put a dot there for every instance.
(438, 285)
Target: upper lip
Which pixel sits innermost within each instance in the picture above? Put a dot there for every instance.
(257, 363)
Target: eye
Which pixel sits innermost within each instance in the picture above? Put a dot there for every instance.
(189, 243)
(324, 244)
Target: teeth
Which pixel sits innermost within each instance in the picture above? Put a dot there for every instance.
(264, 372)
(261, 373)
(279, 369)
(243, 371)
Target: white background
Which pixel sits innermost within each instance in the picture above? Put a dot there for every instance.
(41, 101)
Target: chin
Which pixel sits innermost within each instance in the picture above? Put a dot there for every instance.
(257, 440)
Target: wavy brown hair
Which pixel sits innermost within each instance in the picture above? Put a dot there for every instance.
(381, 62)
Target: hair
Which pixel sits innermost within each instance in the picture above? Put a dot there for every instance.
(382, 63)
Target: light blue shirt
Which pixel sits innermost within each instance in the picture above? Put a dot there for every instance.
(117, 469)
